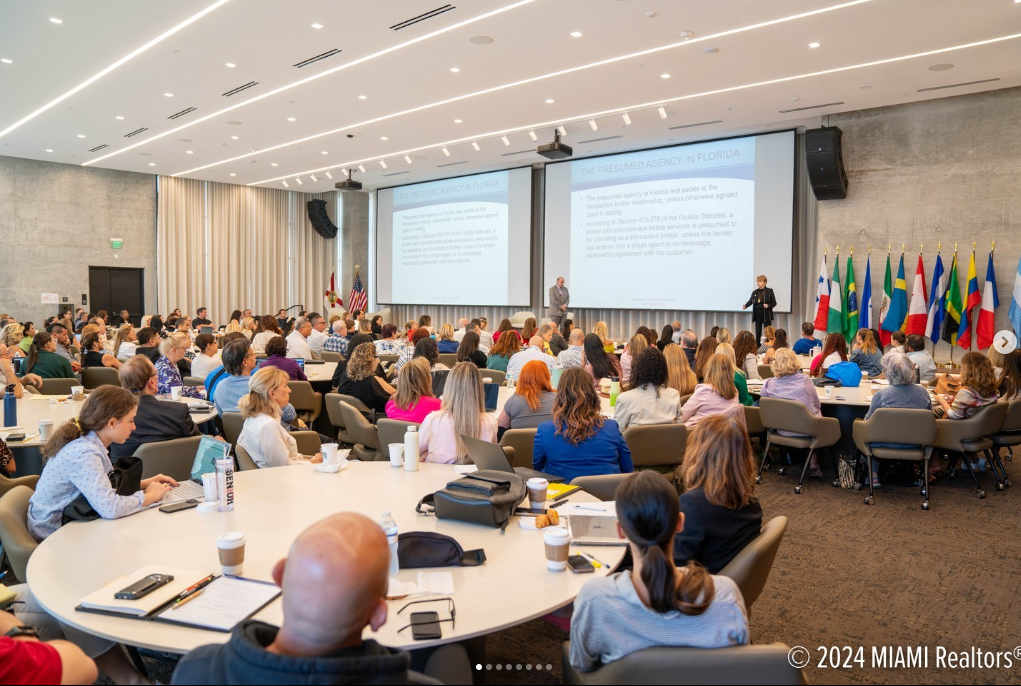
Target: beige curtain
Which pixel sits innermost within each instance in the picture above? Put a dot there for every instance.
(180, 244)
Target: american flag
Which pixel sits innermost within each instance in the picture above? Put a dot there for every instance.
(358, 300)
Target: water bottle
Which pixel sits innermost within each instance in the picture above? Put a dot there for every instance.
(411, 449)
(224, 484)
(389, 527)
(10, 407)
(614, 390)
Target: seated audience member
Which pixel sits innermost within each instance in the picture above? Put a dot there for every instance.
(9, 378)
(148, 343)
(183, 324)
(676, 326)
(1008, 385)
(297, 345)
(28, 333)
(721, 513)
(502, 351)
(866, 353)
(505, 326)
(156, 420)
(463, 414)
(978, 388)
(363, 335)
(650, 337)
(555, 343)
(679, 374)
(234, 323)
(414, 400)
(360, 379)
(282, 319)
(788, 383)
(534, 351)
(723, 335)
(238, 363)
(806, 344)
(897, 340)
(276, 356)
(532, 402)
(745, 354)
(566, 327)
(125, 342)
(334, 582)
(902, 392)
(767, 342)
(427, 348)
(32, 659)
(77, 463)
(650, 400)
(172, 351)
(389, 343)
(689, 344)
(376, 325)
(248, 327)
(574, 356)
(740, 380)
(208, 358)
(268, 328)
(834, 350)
(706, 349)
(632, 351)
(425, 322)
(218, 373)
(597, 362)
(579, 441)
(201, 318)
(779, 341)
(717, 394)
(462, 328)
(446, 343)
(486, 340)
(63, 341)
(318, 337)
(263, 435)
(666, 337)
(529, 329)
(43, 360)
(94, 354)
(655, 604)
(469, 350)
(156, 323)
(914, 347)
(337, 342)
(601, 330)
(408, 353)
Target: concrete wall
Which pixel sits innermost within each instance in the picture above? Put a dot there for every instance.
(354, 249)
(941, 170)
(56, 220)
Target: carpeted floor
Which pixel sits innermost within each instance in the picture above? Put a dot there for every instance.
(853, 575)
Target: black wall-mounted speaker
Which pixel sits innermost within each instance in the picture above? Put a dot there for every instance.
(826, 163)
(320, 219)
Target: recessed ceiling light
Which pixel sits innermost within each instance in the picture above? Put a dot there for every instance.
(291, 119)
(285, 184)
(118, 117)
(324, 152)
(662, 112)
(363, 97)
(446, 153)
(593, 125)
(686, 35)
(457, 121)
(506, 141)
(189, 152)
(233, 174)
(6, 61)
(329, 175)
(231, 65)
(56, 21)
(531, 134)
(361, 168)
(298, 180)
(168, 95)
(454, 70)
(813, 45)
(383, 138)
(865, 88)
(152, 164)
(575, 34)
(49, 150)
(710, 51)
(664, 76)
(233, 138)
(407, 158)
(480, 40)
(550, 101)
(732, 108)
(382, 163)
(941, 67)
(317, 26)
(627, 119)
(475, 145)
(81, 135)
(273, 164)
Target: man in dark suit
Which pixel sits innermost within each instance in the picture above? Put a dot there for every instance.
(559, 299)
(156, 420)
(763, 303)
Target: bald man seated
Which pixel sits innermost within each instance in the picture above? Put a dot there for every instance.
(334, 580)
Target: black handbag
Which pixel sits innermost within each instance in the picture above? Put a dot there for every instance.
(486, 497)
(126, 479)
(416, 549)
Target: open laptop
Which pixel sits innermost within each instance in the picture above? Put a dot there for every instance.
(488, 455)
(208, 451)
(205, 329)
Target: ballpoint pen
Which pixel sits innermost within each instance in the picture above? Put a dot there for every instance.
(192, 596)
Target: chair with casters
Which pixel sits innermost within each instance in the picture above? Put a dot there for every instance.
(448, 359)
(173, 458)
(894, 425)
(17, 543)
(602, 486)
(193, 381)
(765, 371)
(814, 432)
(972, 435)
(245, 461)
(758, 664)
(753, 422)
(1009, 434)
(307, 403)
(58, 386)
(333, 401)
(659, 447)
(366, 438)
(750, 568)
(94, 377)
(498, 377)
(330, 356)
(233, 423)
(518, 320)
(392, 431)
(522, 441)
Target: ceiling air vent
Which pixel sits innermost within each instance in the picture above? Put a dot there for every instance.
(240, 88)
(422, 17)
(511, 154)
(396, 173)
(99, 147)
(136, 132)
(810, 107)
(598, 140)
(701, 123)
(451, 164)
(182, 113)
(312, 60)
(956, 85)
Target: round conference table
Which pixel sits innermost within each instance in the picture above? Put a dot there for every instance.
(272, 507)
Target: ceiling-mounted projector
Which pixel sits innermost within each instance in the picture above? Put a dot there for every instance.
(349, 184)
(555, 150)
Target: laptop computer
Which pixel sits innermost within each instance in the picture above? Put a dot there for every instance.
(205, 329)
(594, 530)
(488, 455)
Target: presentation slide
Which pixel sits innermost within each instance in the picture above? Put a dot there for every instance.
(462, 241)
(681, 228)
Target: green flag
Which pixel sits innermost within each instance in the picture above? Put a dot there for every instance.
(850, 304)
(954, 306)
(884, 335)
(835, 322)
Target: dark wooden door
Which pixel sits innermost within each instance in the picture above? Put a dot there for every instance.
(117, 288)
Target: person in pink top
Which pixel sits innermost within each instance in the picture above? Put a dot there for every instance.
(463, 414)
(716, 395)
(414, 399)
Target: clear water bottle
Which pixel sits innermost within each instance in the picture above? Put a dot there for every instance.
(224, 484)
(389, 527)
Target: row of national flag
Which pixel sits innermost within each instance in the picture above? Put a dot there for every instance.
(938, 314)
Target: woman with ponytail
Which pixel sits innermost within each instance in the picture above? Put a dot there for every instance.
(78, 463)
(44, 361)
(656, 603)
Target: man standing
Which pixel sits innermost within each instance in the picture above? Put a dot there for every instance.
(559, 299)
(763, 302)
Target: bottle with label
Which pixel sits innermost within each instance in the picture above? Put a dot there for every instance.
(411, 449)
(614, 390)
(224, 484)
(10, 407)
(389, 527)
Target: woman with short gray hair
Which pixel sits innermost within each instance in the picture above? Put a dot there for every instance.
(903, 392)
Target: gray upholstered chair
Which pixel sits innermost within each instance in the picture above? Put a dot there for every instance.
(333, 401)
(308, 442)
(173, 458)
(916, 429)
(658, 446)
(7, 484)
(18, 544)
(498, 377)
(787, 415)
(366, 438)
(602, 486)
(193, 381)
(233, 423)
(750, 568)
(765, 371)
(331, 357)
(753, 423)
(58, 386)
(245, 461)
(972, 435)
(448, 359)
(94, 377)
(392, 431)
(522, 441)
(1009, 434)
(307, 403)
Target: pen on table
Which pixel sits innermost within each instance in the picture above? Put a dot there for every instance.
(593, 560)
(194, 595)
(3, 575)
(197, 586)
(596, 508)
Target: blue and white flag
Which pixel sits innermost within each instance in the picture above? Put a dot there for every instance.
(937, 302)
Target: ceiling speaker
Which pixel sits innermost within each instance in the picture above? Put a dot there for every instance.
(320, 219)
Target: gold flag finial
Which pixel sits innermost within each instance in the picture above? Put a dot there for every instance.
(939, 247)
(852, 251)
(955, 247)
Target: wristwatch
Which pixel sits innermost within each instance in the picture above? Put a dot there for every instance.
(22, 632)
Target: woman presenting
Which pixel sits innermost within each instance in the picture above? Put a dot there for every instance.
(762, 301)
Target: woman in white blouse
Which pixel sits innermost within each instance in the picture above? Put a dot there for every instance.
(208, 358)
(650, 400)
(125, 342)
(262, 435)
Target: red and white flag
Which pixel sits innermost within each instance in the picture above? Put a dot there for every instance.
(918, 310)
(332, 298)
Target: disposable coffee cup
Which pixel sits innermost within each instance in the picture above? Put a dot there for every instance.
(396, 454)
(486, 379)
(537, 488)
(329, 451)
(175, 392)
(829, 391)
(231, 547)
(78, 393)
(209, 487)
(558, 541)
(45, 429)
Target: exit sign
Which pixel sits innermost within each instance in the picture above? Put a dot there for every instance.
(116, 243)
